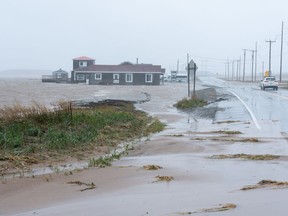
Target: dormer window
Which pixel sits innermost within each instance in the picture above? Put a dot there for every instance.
(82, 64)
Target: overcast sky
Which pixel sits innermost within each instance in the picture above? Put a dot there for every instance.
(47, 34)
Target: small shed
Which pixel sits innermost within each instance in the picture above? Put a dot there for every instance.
(60, 76)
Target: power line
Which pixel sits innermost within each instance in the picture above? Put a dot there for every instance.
(205, 57)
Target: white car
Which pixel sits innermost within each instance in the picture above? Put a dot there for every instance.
(269, 82)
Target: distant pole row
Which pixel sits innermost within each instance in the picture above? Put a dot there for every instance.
(229, 74)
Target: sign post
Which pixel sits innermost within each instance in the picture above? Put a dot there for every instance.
(192, 66)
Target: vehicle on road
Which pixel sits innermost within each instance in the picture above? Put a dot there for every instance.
(269, 82)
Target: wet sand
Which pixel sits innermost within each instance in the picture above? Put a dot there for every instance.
(126, 188)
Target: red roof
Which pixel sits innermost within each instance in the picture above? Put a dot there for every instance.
(123, 68)
(83, 58)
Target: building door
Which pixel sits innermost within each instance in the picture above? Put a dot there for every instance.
(116, 78)
(87, 79)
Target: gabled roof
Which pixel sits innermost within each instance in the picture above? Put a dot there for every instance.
(147, 68)
(83, 58)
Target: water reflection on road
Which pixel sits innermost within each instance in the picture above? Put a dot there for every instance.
(268, 107)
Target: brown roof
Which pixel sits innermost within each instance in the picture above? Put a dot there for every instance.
(123, 68)
(83, 58)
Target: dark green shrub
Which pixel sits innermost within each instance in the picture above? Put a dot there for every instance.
(190, 103)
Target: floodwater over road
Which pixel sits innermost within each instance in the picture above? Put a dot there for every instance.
(184, 150)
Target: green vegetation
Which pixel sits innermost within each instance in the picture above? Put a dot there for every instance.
(106, 160)
(190, 103)
(36, 133)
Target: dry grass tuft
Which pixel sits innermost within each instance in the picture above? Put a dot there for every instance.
(176, 135)
(164, 178)
(246, 156)
(229, 139)
(16, 164)
(16, 111)
(227, 122)
(18, 159)
(250, 140)
(152, 167)
(89, 186)
(265, 184)
(227, 132)
(220, 208)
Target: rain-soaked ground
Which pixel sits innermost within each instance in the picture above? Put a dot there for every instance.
(199, 185)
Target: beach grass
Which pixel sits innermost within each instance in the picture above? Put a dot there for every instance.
(39, 132)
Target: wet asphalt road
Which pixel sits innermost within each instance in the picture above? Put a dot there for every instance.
(267, 110)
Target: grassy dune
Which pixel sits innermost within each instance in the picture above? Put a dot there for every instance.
(36, 133)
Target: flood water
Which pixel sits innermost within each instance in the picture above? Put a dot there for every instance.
(183, 151)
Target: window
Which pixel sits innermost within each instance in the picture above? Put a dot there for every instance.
(98, 76)
(148, 78)
(82, 64)
(129, 77)
(80, 77)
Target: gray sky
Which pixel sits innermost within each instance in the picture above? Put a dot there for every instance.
(47, 34)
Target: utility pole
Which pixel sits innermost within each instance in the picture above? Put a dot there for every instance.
(188, 76)
(253, 51)
(256, 50)
(270, 42)
(237, 69)
(244, 64)
(232, 76)
(226, 66)
(228, 69)
(224, 70)
(263, 68)
(281, 52)
(239, 78)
